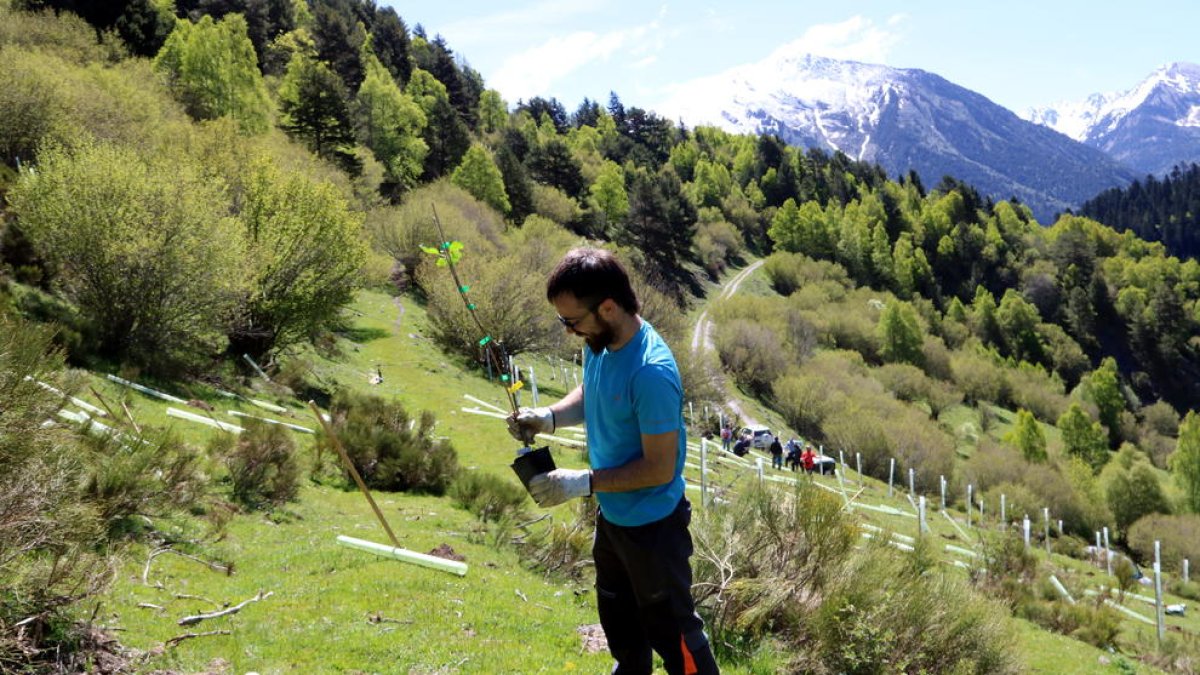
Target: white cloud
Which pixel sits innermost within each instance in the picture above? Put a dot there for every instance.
(855, 39)
(533, 71)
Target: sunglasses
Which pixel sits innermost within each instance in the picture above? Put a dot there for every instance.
(571, 323)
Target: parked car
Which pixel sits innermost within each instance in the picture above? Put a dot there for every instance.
(760, 437)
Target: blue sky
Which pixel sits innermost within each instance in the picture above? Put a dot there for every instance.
(1018, 53)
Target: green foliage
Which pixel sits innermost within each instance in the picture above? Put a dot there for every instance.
(752, 353)
(607, 194)
(1185, 461)
(150, 474)
(1102, 389)
(789, 272)
(262, 464)
(315, 109)
(1082, 437)
(1027, 436)
(1179, 537)
(788, 568)
(66, 34)
(487, 496)
(511, 307)
(1017, 320)
(391, 124)
(40, 472)
(213, 70)
(900, 334)
(1134, 493)
(478, 175)
(305, 249)
(141, 247)
(390, 449)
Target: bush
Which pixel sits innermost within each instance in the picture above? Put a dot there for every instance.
(753, 354)
(390, 449)
(262, 466)
(979, 376)
(149, 474)
(787, 567)
(119, 231)
(1179, 536)
(1033, 389)
(487, 496)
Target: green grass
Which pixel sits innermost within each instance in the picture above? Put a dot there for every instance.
(320, 616)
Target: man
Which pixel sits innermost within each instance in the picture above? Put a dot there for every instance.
(776, 453)
(631, 402)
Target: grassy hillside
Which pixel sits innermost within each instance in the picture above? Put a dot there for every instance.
(336, 609)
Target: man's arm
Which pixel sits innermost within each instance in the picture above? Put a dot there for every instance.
(569, 411)
(655, 467)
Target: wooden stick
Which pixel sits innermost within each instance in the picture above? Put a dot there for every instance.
(180, 638)
(337, 445)
(197, 618)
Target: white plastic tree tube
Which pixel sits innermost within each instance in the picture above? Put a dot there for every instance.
(223, 426)
(405, 555)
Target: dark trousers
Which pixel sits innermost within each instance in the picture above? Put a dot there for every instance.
(644, 596)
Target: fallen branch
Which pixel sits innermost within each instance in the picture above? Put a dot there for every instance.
(187, 636)
(187, 596)
(150, 605)
(197, 618)
(216, 567)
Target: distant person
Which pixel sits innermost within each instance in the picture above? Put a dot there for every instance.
(809, 459)
(776, 454)
(726, 438)
(793, 454)
(742, 447)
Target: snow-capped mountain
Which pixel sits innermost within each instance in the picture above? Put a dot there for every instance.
(902, 119)
(1149, 128)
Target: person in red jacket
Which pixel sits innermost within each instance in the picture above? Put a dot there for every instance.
(808, 459)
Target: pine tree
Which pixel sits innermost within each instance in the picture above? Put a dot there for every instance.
(312, 99)
(900, 334)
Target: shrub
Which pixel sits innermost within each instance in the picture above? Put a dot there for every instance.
(1179, 536)
(563, 547)
(487, 496)
(752, 353)
(149, 474)
(262, 466)
(979, 376)
(390, 449)
(787, 567)
(1033, 389)
(118, 231)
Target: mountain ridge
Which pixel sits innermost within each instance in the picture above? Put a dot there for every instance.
(1150, 127)
(901, 119)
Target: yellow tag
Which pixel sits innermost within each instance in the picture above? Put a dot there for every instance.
(516, 385)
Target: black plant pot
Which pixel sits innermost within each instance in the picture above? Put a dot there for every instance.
(532, 463)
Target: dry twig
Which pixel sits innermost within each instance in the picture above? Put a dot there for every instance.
(216, 567)
(187, 636)
(197, 618)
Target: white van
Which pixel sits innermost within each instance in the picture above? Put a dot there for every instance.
(760, 437)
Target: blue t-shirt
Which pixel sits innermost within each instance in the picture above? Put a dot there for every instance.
(633, 391)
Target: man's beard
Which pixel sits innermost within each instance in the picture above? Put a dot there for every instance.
(602, 339)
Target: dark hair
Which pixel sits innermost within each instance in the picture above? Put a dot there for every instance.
(592, 275)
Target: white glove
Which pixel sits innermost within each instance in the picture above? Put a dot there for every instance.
(555, 487)
(529, 422)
